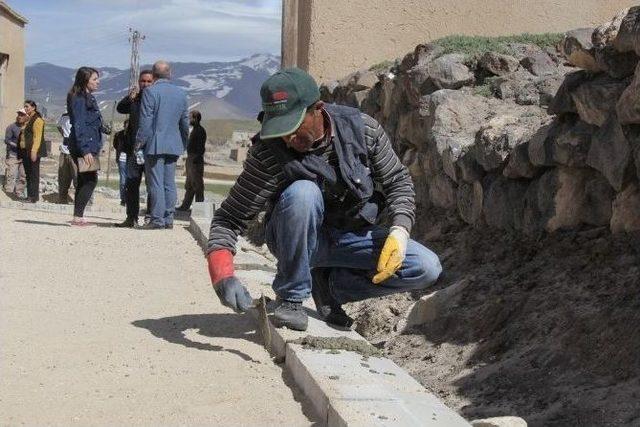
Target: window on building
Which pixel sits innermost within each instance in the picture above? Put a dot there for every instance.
(4, 61)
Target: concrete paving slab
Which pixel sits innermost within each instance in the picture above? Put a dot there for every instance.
(105, 326)
(202, 209)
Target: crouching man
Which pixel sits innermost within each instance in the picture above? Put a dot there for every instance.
(323, 173)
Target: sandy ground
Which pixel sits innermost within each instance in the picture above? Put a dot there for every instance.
(546, 329)
(102, 326)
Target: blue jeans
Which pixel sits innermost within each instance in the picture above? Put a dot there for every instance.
(300, 242)
(160, 174)
(122, 170)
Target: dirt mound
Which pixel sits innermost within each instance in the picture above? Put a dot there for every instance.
(548, 329)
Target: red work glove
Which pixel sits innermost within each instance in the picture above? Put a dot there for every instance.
(229, 289)
(220, 265)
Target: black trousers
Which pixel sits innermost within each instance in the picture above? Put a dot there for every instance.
(194, 185)
(135, 172)
(32, 171)
(87, 182)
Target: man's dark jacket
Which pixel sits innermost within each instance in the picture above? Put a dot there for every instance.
(132, 108)
(197, 142)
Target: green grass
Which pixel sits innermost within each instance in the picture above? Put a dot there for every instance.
(50, 129)
(384, 65)
(113, 182)
(217, 188)
(483, 90)
(220, 130)
(476, 46)
(221, 189)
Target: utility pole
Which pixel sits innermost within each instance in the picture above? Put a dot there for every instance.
(135, 38)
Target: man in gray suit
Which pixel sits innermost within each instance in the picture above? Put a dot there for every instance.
(163, 133)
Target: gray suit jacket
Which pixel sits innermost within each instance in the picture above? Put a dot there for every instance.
(164, 122)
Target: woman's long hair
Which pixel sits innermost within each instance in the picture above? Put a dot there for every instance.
(80, 83)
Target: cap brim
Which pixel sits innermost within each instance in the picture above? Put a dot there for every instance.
(278, 126)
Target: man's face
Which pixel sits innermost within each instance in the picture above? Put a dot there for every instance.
(21, 119)
(303, 138)
(145, 80)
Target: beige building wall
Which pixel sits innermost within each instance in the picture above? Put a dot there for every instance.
(11, 65)
(331, 38)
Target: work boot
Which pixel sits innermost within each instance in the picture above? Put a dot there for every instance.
(291, 315)
(327, 307)
(127, 223)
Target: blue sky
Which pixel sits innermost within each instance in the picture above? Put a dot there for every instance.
(95, 32)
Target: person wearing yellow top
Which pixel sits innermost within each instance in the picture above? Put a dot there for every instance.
(32, 148)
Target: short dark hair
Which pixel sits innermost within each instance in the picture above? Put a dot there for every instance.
(195, 114)
(143, 72)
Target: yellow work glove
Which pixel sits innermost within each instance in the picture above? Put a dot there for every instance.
(392, 255)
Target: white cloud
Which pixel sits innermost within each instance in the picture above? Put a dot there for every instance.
(95, 32)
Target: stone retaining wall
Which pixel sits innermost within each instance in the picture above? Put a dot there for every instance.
(526, 138)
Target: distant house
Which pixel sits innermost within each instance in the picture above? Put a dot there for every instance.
(11, 63)
(240, 137)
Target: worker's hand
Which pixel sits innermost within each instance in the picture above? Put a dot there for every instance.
(233, 294)
(392, 255)
(88, 158)
(229, 289)
(34, 157)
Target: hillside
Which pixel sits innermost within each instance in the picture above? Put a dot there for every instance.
(227, 90)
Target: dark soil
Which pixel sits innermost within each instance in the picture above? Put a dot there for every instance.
(548, 330)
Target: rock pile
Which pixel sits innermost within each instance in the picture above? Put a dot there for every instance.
(528, 138)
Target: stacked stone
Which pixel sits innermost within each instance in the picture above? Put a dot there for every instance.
(542, 139)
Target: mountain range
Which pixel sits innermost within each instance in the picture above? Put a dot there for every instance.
(219, 90)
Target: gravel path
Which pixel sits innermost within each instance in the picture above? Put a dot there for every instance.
(102, 326)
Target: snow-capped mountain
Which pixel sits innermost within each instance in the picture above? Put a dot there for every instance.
(217, 89)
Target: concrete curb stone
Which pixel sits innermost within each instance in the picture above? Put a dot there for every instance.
(345, 388)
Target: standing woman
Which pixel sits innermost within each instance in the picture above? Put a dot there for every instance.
(85, 140)
(32, 148)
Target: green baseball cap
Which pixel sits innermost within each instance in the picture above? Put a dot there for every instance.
(285, 98)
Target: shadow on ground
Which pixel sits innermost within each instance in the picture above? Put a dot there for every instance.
(173, 329)
(218, 325)
(59, 224)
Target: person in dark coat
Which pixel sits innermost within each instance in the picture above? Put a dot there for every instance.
(194, 185)
(130, 105)
(119, 145)
(85, 140)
